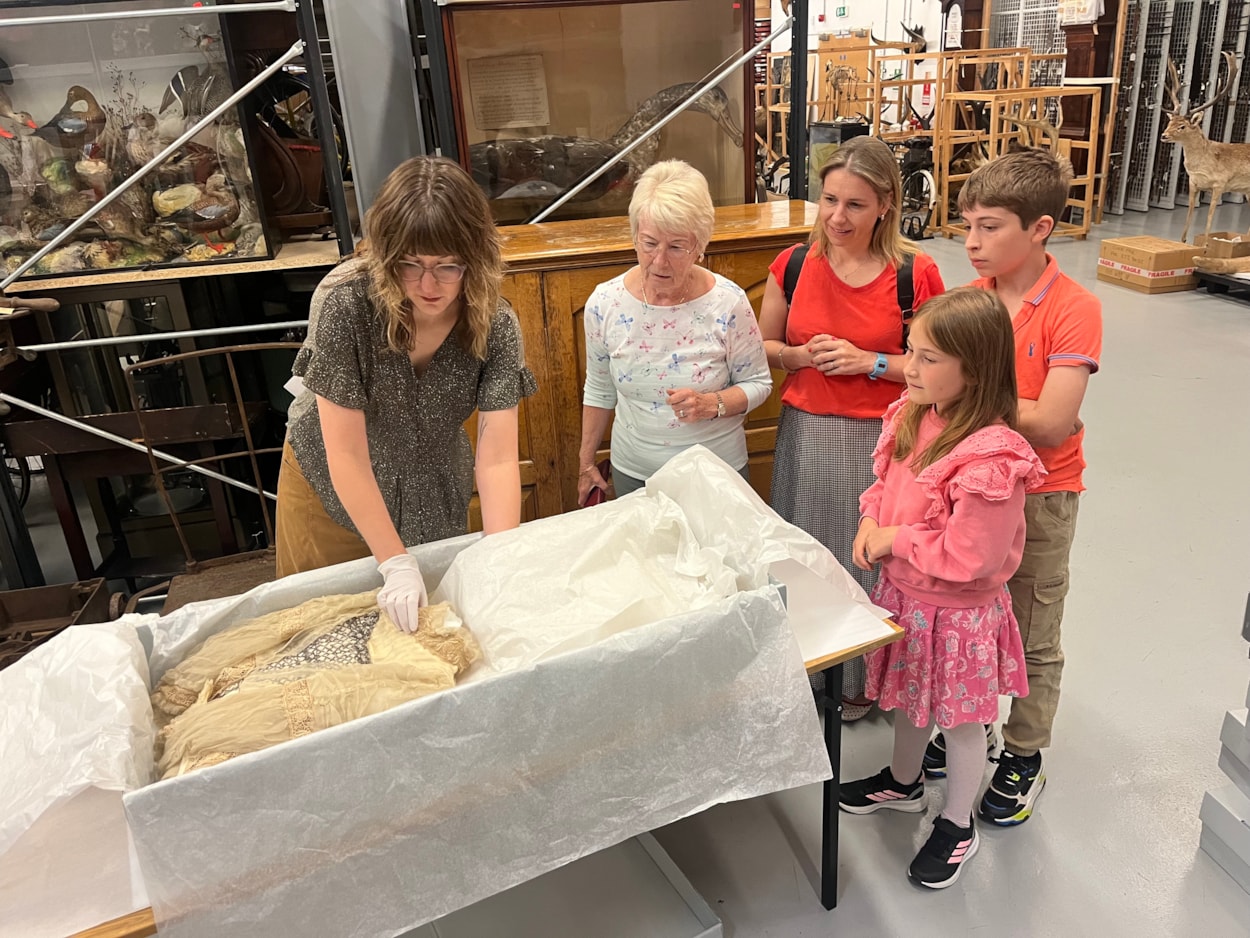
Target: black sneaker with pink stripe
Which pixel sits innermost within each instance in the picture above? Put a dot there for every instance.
(944, 854)
(881, 791)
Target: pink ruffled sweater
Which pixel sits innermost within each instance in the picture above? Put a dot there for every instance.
(961, 520)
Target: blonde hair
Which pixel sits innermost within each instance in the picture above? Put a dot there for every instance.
(673, 196)
(430, 206)
(972, 325)
(869, 159)
(1028, 183)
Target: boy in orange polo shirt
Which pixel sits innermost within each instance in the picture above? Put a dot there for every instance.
(1010, 206)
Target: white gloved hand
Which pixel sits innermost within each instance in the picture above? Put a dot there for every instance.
(403, 592)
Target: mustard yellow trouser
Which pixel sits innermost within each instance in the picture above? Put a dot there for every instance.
(308, 538)
(1037, 593)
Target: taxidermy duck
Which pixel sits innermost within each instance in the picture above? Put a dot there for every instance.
(42, 224)
(141, 140)
(72, 127)
(121, 225)
(17, 117)
(543, 167)
(204, 211)
(197, 90)
(171, 201)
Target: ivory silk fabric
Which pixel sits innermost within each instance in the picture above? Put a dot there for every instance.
(296, 671)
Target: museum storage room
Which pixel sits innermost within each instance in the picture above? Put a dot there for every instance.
(621, 468)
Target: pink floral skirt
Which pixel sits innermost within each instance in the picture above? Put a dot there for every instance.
(951, 664)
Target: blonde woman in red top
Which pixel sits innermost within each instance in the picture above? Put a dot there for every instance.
(840, 341)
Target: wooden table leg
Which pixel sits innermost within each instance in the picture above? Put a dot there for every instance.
(829, 825)
(17, 552)
(67, 514)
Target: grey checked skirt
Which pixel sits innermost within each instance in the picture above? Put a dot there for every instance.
(821, 467)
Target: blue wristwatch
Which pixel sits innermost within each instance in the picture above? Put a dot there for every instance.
(879, 368)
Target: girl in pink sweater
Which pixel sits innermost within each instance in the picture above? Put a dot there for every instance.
(946, 520)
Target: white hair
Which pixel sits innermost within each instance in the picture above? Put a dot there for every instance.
(673, 196)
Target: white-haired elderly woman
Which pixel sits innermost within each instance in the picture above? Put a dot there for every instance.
(671, 348)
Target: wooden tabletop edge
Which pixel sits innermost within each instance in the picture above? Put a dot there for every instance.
(840, 657)
(138, 924)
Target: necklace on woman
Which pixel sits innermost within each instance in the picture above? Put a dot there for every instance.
(684, 294)
(846, 277)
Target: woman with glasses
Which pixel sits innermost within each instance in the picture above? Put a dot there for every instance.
(671, 348)
(405, 341)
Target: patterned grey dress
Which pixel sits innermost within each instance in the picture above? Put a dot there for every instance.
(415, 425)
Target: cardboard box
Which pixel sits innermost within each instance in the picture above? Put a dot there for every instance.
(1147, 264)
(1224, 244)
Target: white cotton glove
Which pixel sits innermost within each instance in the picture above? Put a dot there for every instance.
(403, 592)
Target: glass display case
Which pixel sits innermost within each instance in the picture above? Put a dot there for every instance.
(544, 93)
(85, 104)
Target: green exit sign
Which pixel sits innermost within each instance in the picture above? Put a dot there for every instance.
(840, 11)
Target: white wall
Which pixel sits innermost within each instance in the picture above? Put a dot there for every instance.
(880, 16)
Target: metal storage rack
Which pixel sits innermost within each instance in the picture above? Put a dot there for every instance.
(1152, 46)
(1125, 110)
(1191, 33)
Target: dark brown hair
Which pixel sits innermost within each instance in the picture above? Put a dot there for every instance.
(430, 206)
(972, 325)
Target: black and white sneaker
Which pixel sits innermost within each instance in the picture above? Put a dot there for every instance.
(1013, 790)
(942, 858)
(881, 791)
(935, 752)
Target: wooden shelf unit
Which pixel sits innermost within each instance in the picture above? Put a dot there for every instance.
(911, 74)
(993, 69)
(993, 136)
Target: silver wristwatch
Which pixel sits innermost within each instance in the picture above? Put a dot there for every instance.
(720, 406)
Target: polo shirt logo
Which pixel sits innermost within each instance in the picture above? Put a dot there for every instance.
(1031, 345)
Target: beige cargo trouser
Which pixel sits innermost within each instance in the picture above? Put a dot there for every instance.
(1037, 594)
(307, 537)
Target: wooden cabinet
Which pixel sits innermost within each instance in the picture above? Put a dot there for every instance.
(553, 268)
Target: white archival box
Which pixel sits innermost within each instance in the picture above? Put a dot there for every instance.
(379, 825)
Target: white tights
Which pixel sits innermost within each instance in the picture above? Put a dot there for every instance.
(965, 763)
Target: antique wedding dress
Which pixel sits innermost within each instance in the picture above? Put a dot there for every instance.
(296, 671)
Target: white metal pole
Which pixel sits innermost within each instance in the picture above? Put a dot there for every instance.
(130, 444)
(277, 6)
(147, 167)
(160, 336)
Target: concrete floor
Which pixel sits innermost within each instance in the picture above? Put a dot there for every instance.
(1160, 576)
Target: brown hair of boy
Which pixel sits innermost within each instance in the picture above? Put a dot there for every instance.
(972, 325)
(430, 206)
(874, 163)
(1028, 183)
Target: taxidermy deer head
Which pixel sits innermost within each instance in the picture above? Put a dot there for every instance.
(1219, 167)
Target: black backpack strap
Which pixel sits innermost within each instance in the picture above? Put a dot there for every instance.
(793, 268)
(906, 295)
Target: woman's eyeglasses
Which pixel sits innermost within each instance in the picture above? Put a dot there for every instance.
(674, 252)
(412, 272)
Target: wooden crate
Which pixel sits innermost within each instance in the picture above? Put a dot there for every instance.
(979, 122)
(30, 617)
